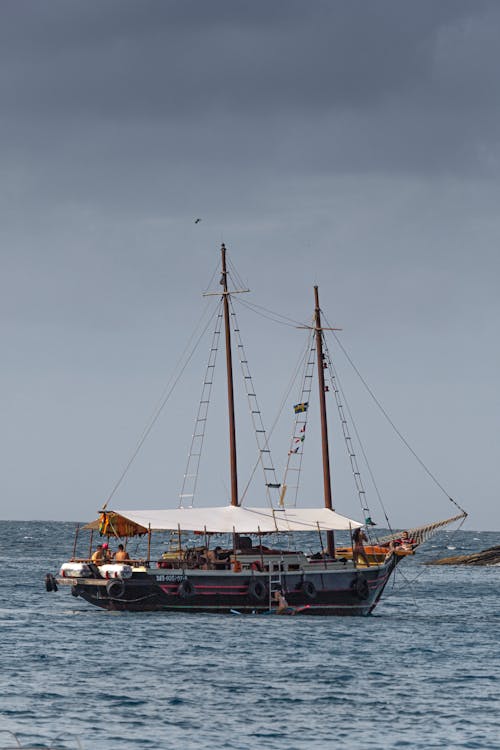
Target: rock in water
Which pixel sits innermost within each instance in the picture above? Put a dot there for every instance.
(489, 556)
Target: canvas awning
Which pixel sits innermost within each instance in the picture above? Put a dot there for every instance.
(229, 518)
(110, 523)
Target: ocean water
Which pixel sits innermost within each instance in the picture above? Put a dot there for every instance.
(422, 672)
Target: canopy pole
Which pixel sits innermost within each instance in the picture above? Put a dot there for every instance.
(149, 543)
(327, 484)
(179, 537)
(260, 547)
(230, 388)
(355, 561)
(76, 539)
(236, 566)
(91, 540)
(321, 543)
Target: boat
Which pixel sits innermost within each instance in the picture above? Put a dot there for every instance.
(242, 575)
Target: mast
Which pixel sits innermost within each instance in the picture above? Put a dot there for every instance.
(230, 389)
(330, 541)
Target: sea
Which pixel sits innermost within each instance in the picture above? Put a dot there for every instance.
(421, 672)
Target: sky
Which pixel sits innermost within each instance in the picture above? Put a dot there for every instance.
(353, 145)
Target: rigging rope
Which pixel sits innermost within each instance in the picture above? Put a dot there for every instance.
(274, 317)
(410, 582)
(190, 479)
(163, 400)
(279, 318)
(301, 418)
(351, 453)
(291, 383)
(217, 268)
(390, 421)
(422, 533)
(234, 275)
(270, 480)
(337, 382)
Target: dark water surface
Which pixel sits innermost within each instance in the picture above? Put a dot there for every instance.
(423, 672)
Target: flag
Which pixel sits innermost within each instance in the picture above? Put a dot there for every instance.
(103, 524)
(294, 450)
(298, 408)
(302, 429)
(300, 439)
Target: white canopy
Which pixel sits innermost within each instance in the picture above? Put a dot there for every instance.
(240, 519)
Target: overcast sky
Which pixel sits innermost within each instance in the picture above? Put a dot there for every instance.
(350, 144)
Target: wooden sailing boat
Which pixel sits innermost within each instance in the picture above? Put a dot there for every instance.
(246, 574)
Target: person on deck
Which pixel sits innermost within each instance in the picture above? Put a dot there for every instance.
(98, 557)
(404, 541)
(121, 554)
(358, 549)
(212, 559)
(106, 553)
(221, 561)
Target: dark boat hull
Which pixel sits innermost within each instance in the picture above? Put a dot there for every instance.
(342, 591)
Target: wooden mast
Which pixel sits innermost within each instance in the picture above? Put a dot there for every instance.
(230, 389)
(330, 541)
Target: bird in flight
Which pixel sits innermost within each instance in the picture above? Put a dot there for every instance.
(197, 221)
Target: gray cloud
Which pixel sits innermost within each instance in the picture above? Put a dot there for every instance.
(321, 86)
(129, 59)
